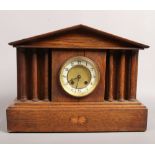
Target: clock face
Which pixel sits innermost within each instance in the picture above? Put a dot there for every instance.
(79, 76)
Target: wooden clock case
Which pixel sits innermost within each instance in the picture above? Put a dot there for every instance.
(43, 106)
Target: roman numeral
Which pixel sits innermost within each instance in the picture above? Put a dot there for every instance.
(72, 63)
(79, 90)
(79, 62)
(66, 69)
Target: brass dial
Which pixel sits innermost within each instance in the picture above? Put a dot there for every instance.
(79, 76)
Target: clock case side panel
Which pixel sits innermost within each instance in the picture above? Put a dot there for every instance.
(121, 75)
(58, 59)
(33, 74)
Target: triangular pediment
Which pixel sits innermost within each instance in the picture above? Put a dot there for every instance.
(79, 36)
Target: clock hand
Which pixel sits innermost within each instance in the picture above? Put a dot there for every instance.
(78, 78)
(73, 79)
(77, 83)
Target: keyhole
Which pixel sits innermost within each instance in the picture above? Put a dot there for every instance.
(72, 82)
(86, 82)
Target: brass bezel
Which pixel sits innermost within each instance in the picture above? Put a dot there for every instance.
(85, 59)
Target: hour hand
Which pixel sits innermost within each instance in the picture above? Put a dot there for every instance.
(72, 79)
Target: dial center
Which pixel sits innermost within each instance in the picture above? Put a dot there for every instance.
(79, 76)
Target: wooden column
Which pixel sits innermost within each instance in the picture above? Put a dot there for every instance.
(46, 61)
(21, 74)
(18, 75)
(111, 76)
(34, 76)
(133, 75)
(122, 77)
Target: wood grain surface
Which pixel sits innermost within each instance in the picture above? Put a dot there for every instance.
(76, 118)
(78, 29)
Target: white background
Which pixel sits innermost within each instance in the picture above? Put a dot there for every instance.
(134, 25)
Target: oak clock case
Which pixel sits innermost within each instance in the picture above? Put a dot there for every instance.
(79, 76)
(77, 79)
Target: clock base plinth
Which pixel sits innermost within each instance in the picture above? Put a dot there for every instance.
(76, 117)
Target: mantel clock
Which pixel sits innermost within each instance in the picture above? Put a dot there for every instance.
(77, 79)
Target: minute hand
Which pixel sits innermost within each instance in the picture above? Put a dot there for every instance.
(77, 83)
